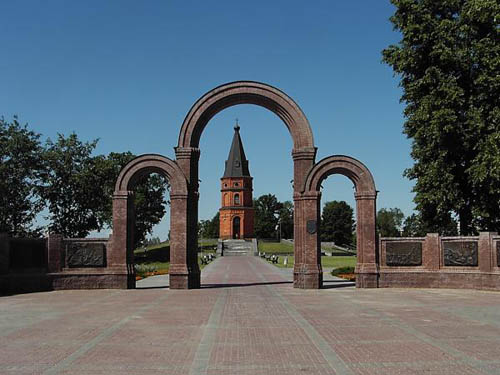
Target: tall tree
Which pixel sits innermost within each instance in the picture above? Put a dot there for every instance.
(20, 169)
(286, 219)
(72, 187)
(337, 223)
(210, 228)
(389, 222)
(448, 61)
(266, 206)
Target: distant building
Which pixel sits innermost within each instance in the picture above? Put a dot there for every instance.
(236, 212)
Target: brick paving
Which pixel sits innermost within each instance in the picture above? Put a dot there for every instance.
(247, 319)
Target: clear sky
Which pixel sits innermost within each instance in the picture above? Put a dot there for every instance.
(127, 72)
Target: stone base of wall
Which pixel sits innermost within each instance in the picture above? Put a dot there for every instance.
(61, 281)
(440, 279)
(24, 283)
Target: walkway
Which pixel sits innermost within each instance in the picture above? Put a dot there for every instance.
(249, 320)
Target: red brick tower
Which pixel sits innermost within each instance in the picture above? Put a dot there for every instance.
(236, 212)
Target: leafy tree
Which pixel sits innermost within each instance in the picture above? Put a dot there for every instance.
(286, 219)
(448, 61)
(72, 186)
(266, 206)
(210, 228)
(389, 222)
(413, 226)
(337, 223)
(20, 169)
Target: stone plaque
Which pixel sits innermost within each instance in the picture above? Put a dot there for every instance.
(460, 253)
(86, 254)
(498, 253)
(403, 253)
(311, 226)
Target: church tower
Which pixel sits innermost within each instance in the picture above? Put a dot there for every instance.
(236, 212)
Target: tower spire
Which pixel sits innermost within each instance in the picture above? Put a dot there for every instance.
(236, 163)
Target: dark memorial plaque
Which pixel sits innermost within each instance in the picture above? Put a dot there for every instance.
(86, 254)
(311, 226)
(498, 253)
(460, 253)
(403, 253)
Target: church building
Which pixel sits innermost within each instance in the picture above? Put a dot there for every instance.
(236, 212)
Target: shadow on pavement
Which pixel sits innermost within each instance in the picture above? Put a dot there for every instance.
(234, 285)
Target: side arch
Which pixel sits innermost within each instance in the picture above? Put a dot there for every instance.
(184, 271)
(352, 168)
(245, 92)
(151, 163)
(308, 211)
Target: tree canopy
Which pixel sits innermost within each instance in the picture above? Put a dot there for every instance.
(449, 61)
(266, 206)
(389, 222)
(337, 223)
(20, 171)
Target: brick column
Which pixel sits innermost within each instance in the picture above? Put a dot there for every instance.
(4, 253)
(303, 161)
(367, 264)
(431, 255)
(307, 273)
(54, 252)
(485, 251)
(120, 253)
(188, 158)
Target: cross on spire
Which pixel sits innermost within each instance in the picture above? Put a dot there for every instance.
(237, 126)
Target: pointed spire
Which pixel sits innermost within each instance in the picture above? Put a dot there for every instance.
(236, 163)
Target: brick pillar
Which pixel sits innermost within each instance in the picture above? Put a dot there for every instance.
(188, 158)
(307, 273)
(120, 253)
(485, 251)
(303, 161)
(4, 253)
(367, 264)
(431, 255)
(54, 253)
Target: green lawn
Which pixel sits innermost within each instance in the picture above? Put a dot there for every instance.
(275, 247)
(327, 262)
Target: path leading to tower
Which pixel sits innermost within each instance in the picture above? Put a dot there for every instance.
(248, 319)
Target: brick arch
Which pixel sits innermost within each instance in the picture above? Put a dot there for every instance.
(246, 92)
(352, 168)
(242, 92)
(307, 206)
(151, 163)
(121, 257)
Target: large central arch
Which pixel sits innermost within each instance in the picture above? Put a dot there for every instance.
(228, 95)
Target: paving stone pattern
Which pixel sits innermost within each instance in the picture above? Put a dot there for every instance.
(247, 319)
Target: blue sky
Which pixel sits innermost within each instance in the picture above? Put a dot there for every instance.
(127, 72)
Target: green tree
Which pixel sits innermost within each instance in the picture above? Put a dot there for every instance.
(413, 226)
(389, 222)
(20, 169)
(448, 61)
(72, 186)
(210, 228)
(286, 219)
(337, 223)
(266, 206)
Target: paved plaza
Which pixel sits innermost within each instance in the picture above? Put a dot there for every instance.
(248, 319)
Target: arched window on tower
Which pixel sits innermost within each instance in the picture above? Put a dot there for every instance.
(236, 199)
